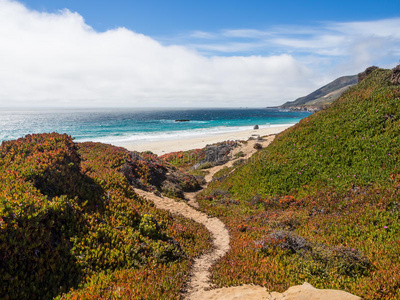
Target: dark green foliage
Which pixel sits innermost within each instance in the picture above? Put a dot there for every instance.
(35, 252)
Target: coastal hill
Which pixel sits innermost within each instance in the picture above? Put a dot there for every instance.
(323, 96)
(321, 203)
(69, 219)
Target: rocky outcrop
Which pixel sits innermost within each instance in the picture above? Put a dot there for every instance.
(307, 291)
(256, 127)
(363, 75)
(216, 154)
(148, 172)
(395, 77)
(298, 292)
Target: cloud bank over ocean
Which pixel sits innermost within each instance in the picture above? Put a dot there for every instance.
(56, 59)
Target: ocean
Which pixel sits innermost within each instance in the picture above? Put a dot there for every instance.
(118, 126)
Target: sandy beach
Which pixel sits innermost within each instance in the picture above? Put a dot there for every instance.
(163, 147)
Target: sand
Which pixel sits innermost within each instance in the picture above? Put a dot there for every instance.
(162, 147)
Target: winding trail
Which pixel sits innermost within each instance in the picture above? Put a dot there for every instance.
(199, 283)
(200, 273)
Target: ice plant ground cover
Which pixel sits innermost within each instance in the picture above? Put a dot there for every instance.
(321, 203)
(69, 219)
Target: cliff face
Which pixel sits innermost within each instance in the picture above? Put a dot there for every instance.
(323, 96)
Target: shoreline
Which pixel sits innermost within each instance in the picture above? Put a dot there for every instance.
(174, 145)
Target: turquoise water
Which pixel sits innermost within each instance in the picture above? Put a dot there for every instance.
(137, 125)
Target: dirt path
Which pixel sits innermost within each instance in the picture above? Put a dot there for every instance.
(200, 273)
(199, 285)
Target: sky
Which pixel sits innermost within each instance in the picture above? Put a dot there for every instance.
(184, 53)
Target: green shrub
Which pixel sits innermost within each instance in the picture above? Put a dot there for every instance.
(239, 154)
(205, 165)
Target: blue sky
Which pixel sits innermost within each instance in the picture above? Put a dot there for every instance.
(187, 53)
(166, 18)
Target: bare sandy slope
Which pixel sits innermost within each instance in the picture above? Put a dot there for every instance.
(199, 285)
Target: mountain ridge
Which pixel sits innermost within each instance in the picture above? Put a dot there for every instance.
(323, 96)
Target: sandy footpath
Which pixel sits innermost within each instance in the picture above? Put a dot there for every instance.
(162, 147)
(199, 284)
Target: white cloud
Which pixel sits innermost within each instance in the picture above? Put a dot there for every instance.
(57, 59)
(246, 33)
(381, 28)
(228, 47)
(346, 47)
(202, 35)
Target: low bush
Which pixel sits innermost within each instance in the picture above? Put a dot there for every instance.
(257, 146)
(285, 240)
(347, 261)
(205, 165)
(239, 162)
(239, 154)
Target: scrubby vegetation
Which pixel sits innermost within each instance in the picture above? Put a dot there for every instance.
(321, 203)
(70, 219)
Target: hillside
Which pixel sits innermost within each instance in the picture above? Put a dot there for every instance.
(69, 219)
(323, 96)
(321, 203)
